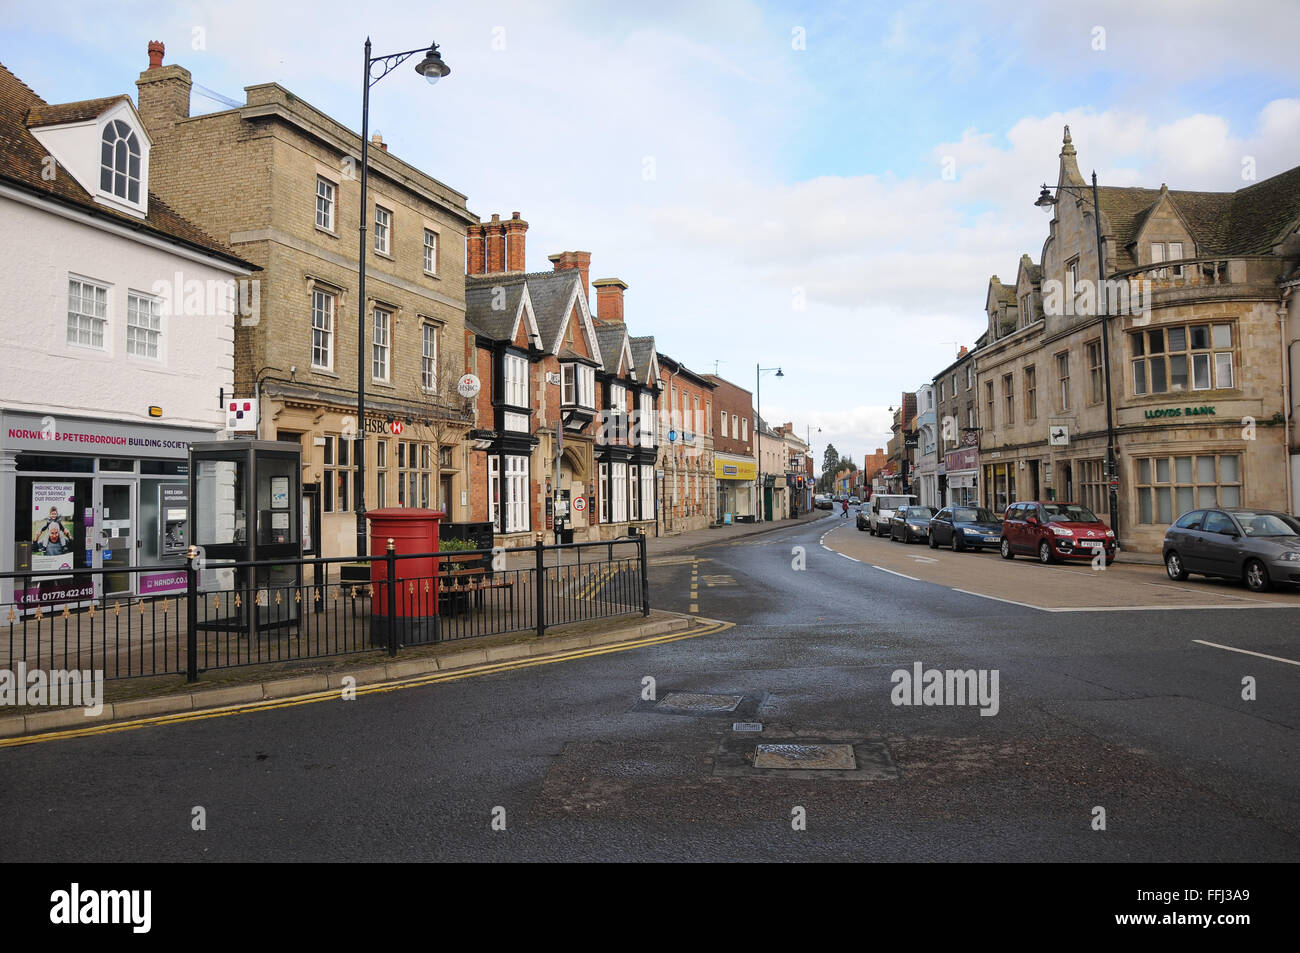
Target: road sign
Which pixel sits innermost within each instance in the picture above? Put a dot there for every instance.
(580, 503)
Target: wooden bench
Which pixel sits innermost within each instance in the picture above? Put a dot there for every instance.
(475, 579)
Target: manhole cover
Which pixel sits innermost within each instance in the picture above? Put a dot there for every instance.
(806, 757)
(699, 701)
(746, 726)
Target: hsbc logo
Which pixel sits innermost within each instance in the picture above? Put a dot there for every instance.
(396, 427)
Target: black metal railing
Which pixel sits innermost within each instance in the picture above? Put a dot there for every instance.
(231, 613)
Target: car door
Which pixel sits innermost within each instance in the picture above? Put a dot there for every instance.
(1013, 527)
(1220, 551)
(1185, 536)
(941, 527)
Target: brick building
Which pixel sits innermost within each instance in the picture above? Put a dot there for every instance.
(276, 179)
(956, 399)
(734, 465)
(564, 435)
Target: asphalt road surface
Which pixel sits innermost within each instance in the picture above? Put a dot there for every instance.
(1120, 711)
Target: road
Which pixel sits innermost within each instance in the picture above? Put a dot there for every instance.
(1122, 710)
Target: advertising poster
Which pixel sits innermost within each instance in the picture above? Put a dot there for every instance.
(52, 513)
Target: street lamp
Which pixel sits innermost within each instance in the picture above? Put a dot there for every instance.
(432, 68)
(1047, 201)
(758, 430)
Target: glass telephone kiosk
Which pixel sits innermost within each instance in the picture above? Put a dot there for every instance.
(247, 507)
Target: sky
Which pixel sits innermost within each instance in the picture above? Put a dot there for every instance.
(820, 187)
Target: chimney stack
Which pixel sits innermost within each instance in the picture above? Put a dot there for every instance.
(962, 352)
(162, 93)
(475, 260)
(495, 241)
(579, 261)
(378, 140)
(609, 298)
(515, 230)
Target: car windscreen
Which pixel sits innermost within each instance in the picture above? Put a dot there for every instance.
(1265, 524)
(921, 512)
(971, 514)
(892, 502)
(1068, 513)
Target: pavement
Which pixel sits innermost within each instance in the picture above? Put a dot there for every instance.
(679, 542)
(1122, 735)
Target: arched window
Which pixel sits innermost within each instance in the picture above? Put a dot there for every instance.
(119, 161)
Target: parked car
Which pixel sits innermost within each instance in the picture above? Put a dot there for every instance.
(863, 518)
(965, 527)
(822, 501)
(911, 522)
(882, 509)
(1053, 531)
(1259, 547)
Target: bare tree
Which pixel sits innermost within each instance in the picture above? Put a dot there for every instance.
(445, 416)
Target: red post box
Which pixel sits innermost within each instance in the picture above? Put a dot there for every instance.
(416, 606)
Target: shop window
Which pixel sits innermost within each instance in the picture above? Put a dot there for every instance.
(1169, 486)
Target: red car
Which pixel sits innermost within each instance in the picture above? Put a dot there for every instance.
(1052, 531)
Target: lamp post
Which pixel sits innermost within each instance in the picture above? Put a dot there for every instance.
(808, 494)
(758, 430)
(432, 68)
(1046, 201)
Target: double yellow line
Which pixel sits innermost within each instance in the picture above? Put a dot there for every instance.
(334, 694)
(590, 589)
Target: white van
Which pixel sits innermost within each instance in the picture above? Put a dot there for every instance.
(883, 506)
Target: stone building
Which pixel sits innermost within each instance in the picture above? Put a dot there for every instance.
(277, 180)
(688, 488)
(1196, 344)
(955, 400)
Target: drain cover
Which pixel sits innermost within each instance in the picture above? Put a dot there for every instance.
(699, 701)
(746, 726)
(816, 757)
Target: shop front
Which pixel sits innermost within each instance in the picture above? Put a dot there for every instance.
(735, 478)
(961, 475)
(93, 493)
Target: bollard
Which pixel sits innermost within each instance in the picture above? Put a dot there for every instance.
(541, 591)
(191, 616)
(390, 558)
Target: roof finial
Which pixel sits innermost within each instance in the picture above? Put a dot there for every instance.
(1067, 147)
(1067, 135)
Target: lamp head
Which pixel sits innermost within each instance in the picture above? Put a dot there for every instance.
(432, 67)
(1045, 200)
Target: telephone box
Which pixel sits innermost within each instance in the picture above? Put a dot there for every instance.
(247, 508)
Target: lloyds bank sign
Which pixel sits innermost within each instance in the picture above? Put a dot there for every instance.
(1179, 412)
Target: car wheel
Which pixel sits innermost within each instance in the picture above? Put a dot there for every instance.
(1006, 549)
(956, 542)
(934, 543)
(1044, 552)
(1256, 576)
(1174, 566)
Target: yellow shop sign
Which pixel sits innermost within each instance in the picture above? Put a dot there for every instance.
(727, 470)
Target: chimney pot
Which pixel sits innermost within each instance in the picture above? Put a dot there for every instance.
(579, 261)
(156, 51)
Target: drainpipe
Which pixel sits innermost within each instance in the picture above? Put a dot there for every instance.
(1286, 392)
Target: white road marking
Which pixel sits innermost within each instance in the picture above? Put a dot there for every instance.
(1230, 648)
(892, 573)
(1013, 602)
(923, 559)
(850, 557)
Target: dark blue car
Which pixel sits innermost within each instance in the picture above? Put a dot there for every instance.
(965, 527)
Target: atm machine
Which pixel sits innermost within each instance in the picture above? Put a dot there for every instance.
(247, 508)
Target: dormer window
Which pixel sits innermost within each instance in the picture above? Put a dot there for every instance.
(578, 385)
(119, 162)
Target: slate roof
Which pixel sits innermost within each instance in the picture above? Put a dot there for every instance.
(22, 161)
(1249, 221)
(484, 320)
(643, 349)
(610, 336)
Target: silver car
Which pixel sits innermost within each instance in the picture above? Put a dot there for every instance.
(1259, 547)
